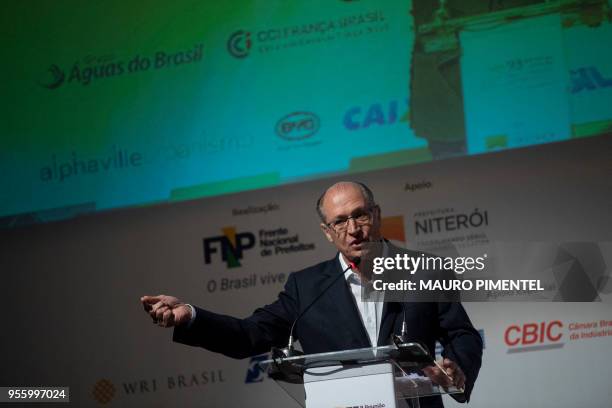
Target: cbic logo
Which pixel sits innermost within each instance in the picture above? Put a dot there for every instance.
(239, 43)
(231, 245)
(534, 336)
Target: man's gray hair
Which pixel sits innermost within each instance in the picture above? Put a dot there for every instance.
(365, 191)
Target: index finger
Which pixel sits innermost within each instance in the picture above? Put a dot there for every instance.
(149, 301)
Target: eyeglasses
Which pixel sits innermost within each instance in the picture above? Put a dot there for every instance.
(340, 225)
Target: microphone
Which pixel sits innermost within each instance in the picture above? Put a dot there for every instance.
(289, 351)
(403, 337)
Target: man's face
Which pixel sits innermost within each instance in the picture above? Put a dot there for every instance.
(340, 204)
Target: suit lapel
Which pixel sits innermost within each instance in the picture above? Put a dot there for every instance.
(390, 310)
(345, 314)
(389, 316)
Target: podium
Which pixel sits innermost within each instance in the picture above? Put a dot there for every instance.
(374, 377)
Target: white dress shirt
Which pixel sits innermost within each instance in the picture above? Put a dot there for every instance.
(370, 311)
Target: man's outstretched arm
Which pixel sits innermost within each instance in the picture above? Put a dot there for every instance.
(238, 338)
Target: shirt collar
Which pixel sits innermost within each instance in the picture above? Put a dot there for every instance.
(352, 277)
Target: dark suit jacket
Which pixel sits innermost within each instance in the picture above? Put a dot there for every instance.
(333, 323)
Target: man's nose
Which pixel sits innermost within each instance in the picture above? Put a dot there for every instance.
(352, 227)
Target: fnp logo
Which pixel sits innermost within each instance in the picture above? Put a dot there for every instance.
(230, 246)
(534, 336)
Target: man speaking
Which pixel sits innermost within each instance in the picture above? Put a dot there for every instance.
(337, 317)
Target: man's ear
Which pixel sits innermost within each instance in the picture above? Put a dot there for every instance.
(325, 230)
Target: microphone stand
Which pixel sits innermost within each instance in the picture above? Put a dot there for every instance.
(290, 351)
